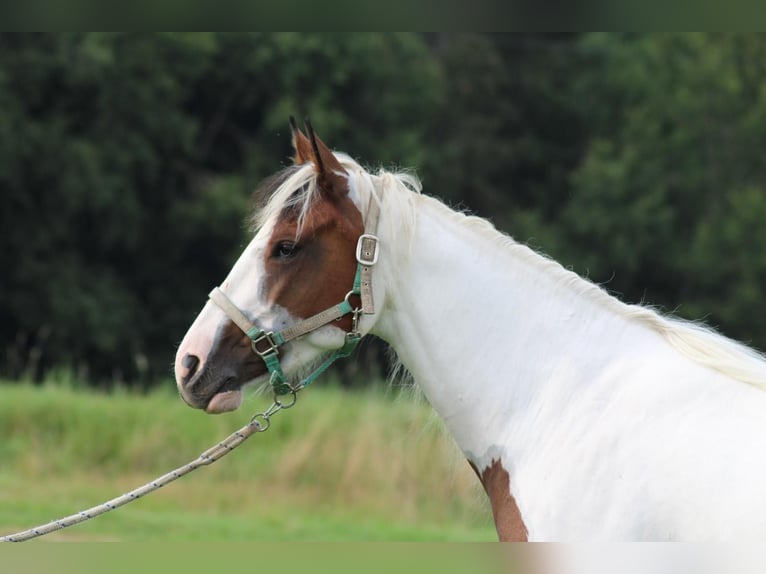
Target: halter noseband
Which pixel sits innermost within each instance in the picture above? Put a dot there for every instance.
(266, 344)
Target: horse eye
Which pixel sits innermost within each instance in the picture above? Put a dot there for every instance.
(284, 249)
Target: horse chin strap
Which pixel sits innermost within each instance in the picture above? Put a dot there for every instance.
(266, 344)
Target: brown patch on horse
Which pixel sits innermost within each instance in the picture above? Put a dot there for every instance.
(309, 273)
(508, 521)
(321, 270)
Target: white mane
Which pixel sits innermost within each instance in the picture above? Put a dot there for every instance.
(694, 340)
(398, 194)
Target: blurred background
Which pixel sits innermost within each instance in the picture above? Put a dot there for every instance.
(127, 162)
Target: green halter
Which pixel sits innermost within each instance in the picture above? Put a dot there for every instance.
(267, 344)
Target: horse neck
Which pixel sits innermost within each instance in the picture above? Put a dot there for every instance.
(486, 329)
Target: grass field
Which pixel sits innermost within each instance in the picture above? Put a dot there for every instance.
(339, 466)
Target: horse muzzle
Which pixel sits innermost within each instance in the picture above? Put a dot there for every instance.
(203, 391)
(215, 383)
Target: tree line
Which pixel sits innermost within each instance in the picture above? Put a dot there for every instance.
(127, 162)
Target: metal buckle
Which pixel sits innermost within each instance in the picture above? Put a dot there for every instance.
(272, 348)
(367, 249)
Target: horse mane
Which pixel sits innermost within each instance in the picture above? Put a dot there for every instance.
(398, 194)
(693, 339)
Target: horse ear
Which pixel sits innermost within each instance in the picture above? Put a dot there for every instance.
(331, 175)
(301, 144)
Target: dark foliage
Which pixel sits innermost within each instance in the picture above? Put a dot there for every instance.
(127, 163)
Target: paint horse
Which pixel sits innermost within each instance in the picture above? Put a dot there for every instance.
(585, 418)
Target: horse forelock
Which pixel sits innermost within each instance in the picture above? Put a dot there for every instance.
(291, 189)
(294, 190)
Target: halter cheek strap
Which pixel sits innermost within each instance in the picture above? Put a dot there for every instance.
(367, 256)
(267, 344)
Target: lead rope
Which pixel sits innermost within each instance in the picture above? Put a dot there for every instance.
(260, 422)
(367, 256)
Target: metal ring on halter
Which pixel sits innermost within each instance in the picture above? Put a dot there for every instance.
(256, 418)
(281, 405)
(355, 312)
(346, 299)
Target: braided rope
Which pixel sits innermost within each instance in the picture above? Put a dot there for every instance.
(208, 457)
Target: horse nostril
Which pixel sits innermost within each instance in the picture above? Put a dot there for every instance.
(190, 362)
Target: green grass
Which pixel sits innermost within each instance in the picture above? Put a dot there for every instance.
(339, 466)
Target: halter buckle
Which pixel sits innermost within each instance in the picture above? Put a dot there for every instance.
(272, 348)
(367, 249)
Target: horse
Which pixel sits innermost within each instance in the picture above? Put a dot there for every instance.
(584, 418)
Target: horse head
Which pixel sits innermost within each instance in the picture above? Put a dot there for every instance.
(301, 262)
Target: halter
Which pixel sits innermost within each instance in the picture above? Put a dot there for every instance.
(266, 344)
